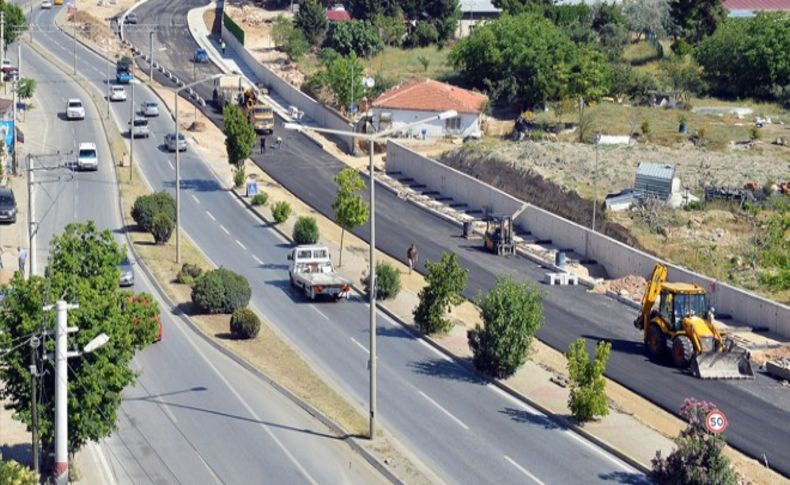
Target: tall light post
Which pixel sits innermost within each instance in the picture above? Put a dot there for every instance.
(597, 141)
(372, 138)
(151, 55)
(178, 164)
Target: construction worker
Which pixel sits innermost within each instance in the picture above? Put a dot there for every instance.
(222, 46)
(263, 145)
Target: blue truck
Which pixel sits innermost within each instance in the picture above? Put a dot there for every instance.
(123, 70)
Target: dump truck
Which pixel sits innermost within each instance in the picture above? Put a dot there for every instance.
(258, 113)
(683, 323)
(227, 89)
(310, 269)
(124, 72)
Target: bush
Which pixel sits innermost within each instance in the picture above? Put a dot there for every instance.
(695, 205)
(244, 323)
(281, 211)
(588, 386)
(239, 177)
(162, 228)
(423, 35)
(13, 473)
(512, 312)
(446, 280)
(358, 36)
(260, 199)
(188, 274)
(387, 281)
(147, 206)
(221, 291)
(305, 231)
(754, 133)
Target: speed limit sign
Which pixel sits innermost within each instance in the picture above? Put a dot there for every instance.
(716, 421)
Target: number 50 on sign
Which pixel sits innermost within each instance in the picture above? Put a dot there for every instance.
(716, 421)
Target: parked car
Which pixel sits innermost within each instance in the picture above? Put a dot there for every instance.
(6, 65)
(201, 56)
(46, 4)
(88, 157)
(130, 19)
(75, 110)
(10, 74)
(139, 128)
(149, 108)
(117, 93)
(127, 274)
(7, 206)
(170, 142)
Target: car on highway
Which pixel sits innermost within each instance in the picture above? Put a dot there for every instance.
(7, 206)
(149, 108)
(170, 142)
(46, 4)
(201, 56)
(10, 74)
(87, 157)
(127, 274)
(139, 127)
(130, 19)
(75, 110)
(117, 93)
(7, 65)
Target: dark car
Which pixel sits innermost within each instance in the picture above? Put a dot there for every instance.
(7, 206)
(130, 19)
(201, 56)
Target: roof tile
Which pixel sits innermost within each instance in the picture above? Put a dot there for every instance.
(430, 95)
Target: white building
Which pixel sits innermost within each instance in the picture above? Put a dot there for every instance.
(422, 98)
(472, 13)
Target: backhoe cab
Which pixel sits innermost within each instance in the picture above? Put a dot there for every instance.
(683, 322)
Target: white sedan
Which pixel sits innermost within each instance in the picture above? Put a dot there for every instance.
(46, 4)
(117, 93)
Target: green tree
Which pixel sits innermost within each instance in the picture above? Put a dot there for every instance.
(149, 205)
(162, 228)
(281, 211)
(515, 7)
(442, 15)
(26, 87)
(343, 77)
(387, 281)
(368, 9)
(512, 312)
(588, 385)
(446, 280)
(350, 209)
(239, 135)
(683, 76)
(357, 36)
(391, 27)
(305, 230)
(15, 22)
(244, 324)
(696, 19)
(296, 46)
(699, 458)
(282, 28)
(221, 291)
(649, 17)
(83, 267)
(12, 473)
(311, 20)
(589, 75)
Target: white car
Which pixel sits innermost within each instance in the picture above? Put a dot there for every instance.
(117, 93)
(46, 4)
(149, 108)
(75, 110)
(140, 127)
(88, 157)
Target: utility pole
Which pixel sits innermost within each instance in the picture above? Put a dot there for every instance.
(61, 472)
(31, 231)
(131, 133)
(14, 86)
(372, 294)
(595, 181)
(2, 38)
(34, 343)
(178, 189)
(74, 55)
(151, 55)
(108, 84)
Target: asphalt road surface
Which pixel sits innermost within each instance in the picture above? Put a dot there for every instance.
(194, 415)
(461, 427)
(757, 410)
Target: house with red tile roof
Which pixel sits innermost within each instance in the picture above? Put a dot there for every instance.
(750, 8)
(422, 98)
(337, 13)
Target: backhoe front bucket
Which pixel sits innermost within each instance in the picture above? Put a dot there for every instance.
(727, 364)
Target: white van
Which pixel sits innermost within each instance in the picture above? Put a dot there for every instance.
(88, 157)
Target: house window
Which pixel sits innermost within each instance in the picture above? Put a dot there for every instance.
(452, 124)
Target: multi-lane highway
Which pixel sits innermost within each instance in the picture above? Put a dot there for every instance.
(461, 427)
(194, 415)
(757, 409)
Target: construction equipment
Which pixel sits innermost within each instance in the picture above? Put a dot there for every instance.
(259, 114)
(498, 237)
(683, 323)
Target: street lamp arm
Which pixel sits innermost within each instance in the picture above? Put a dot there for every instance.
(444, 115)
(300, 128)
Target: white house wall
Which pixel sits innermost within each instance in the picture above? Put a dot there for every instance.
(470, 123)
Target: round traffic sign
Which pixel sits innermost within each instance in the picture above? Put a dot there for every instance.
(716, 421)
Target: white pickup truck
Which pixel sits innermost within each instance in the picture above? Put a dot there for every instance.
(310, 268)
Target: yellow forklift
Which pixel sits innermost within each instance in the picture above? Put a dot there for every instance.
(498, 237)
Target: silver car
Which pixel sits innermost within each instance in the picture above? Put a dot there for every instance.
(117, 93)
(127, 274)
(149, 108)
(170, 142)
(140, 127)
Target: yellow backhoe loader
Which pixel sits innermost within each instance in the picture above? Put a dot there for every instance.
(683, 322)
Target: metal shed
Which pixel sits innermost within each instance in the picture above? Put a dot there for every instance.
(654, 180)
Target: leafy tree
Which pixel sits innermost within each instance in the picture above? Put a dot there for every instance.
(368, 9)
(683, 77)
(424, 62)
(443, 15)
(239, 176)
(611, 26)
(350, 209)
(83, 267)
(391, 27)
(512, 312)
(281, 211)
(343, 77)
(15, 22)
(515, 7)
(281, 30)
(621, 79)
(147, 206)
(311, 20)
(424, 34)
(296, 46)
(643, 83)
(699, 458)
(357, 36)
(162, 228)
(696, 19)
(588, 386)
(446, 280)
(305, 230)
(589, 75)
(221, 291)
(12, 473)
(245, 324)
(239, 134)
(387, 281)
(26, 87)
(648, 16)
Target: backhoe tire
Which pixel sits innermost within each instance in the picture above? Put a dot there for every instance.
(682, 351)
(655, 342)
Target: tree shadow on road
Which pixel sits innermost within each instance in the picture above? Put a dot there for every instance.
(20, 452)
(624, 477)
(446, 369)
(524, 416)
(198, 185)
(621, 345)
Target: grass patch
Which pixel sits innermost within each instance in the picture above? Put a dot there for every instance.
(640, 53)
(403, 64)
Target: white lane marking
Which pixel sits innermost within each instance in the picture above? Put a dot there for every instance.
(524, 470)
(224, 230)
(319, 312)
(195, 198)
(240, 244)
(257, 260)
(210, 215)
(359, 345)
(171, 164)
(448, 413)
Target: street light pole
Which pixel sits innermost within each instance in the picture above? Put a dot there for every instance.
(595, 181)
(61, 474)
(74, 52)
(151, 55)
(131, 133)
(34, 343)
(31, 232)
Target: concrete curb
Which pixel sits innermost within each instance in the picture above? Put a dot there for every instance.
(562, 420)
(343, 434)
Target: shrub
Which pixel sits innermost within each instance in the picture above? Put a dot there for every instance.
(147, 206)
(162, 228)
(512, 312)
(588, 386)
(239, 177)
(281, 211)
(446, 280)
(646, 128)
(13, 473)
(260, 199)
(305, 231)
(754, 133)
(221, 291)
(387, 281)
(424, 34)
(358, 36)
(188, 274)
(244, 323)
(695, 205)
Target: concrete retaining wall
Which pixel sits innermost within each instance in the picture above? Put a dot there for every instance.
(450, 182)
(319, 114)
(618, 259)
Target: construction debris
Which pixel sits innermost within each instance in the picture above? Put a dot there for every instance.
(629, 286)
